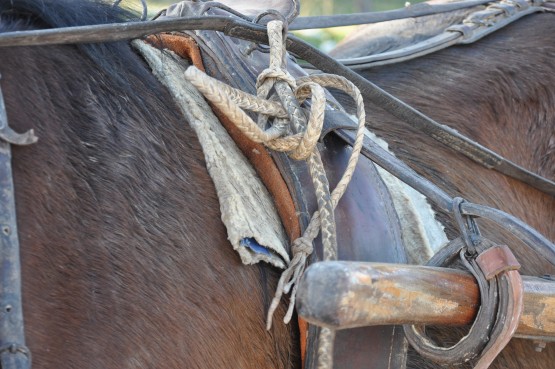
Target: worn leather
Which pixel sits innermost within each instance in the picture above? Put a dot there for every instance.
(367, 225)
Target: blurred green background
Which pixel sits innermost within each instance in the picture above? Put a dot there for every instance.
(324, 39)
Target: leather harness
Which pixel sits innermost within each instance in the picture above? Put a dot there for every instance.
(240, 28)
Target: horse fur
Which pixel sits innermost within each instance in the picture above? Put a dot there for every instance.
(125, 261)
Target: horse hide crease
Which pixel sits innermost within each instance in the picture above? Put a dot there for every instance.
(246, 206)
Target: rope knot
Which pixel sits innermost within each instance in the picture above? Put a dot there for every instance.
(302, 244)
(275, 74)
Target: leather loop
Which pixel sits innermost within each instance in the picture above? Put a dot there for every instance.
(497, 260)
(475, 341)
(501, 298)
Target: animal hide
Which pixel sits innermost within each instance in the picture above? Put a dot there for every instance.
(247, 209)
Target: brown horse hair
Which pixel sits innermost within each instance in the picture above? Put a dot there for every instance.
(125, 262)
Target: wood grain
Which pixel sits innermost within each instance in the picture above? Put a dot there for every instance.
(344, 295)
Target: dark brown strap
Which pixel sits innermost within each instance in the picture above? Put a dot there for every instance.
(405, 112)
(501, 295)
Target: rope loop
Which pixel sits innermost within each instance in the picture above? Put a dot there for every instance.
(276, 74)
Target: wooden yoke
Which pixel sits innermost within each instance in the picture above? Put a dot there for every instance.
(342, 295)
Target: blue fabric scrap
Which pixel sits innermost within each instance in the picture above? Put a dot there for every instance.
(254, 246)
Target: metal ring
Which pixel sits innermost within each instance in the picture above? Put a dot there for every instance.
(214, 4)
(276, 15)
(144, 13)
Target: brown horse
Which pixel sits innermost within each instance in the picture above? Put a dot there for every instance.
(500, 92)
(125, 261)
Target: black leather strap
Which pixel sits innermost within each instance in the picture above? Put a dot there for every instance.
(405, 112)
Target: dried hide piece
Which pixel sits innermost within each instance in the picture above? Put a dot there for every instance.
(248, 212)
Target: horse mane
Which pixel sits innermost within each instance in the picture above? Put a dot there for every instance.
(116, 59)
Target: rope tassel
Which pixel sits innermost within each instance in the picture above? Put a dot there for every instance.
(300, 145)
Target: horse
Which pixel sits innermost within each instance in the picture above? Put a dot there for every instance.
(119, 221)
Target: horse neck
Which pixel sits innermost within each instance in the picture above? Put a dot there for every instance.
(125, 262)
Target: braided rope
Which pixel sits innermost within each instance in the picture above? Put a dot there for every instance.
(300, 145)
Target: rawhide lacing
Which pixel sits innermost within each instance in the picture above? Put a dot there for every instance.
(293, 133)
(501, 296)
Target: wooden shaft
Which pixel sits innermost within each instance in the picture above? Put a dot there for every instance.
(343, 295)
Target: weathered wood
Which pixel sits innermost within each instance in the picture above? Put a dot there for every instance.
(343, 295)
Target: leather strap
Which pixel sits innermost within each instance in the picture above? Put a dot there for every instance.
(411, 11)
(497, 260)
(471, 28)
(401, 110)
(247, 31)
(257, 154)
(228, 64)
